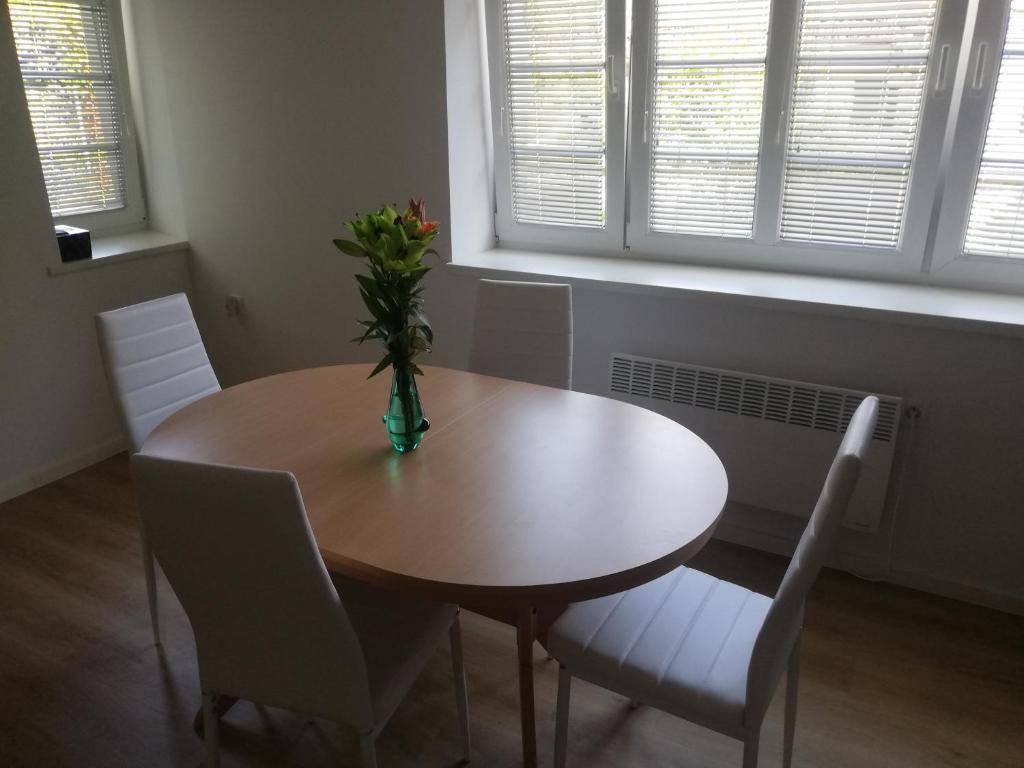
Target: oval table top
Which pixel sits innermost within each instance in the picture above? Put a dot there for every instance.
(518, 491)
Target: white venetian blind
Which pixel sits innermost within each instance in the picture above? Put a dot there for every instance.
(67, 65)
(856, 103)
(996, 224)
(705, 123)
(556, 110)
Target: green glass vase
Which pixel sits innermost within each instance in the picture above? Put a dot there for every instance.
(404, 420)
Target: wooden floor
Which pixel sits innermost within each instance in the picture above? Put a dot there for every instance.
(891, 677)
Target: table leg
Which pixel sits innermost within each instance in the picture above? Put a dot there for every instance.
(525, 635)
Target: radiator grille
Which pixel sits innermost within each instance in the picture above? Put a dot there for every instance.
(760, 397)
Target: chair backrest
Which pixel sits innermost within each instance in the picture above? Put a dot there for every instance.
(523, 331)
(155, 361)
(785, 617)
(238, 551)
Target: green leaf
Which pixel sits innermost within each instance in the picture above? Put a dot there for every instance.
(369, 285)
(373, 331)
(421, 319)
(350, 248)
(381, 366)
(373, 305)
(365, 337)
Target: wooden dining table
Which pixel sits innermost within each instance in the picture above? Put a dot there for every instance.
(520, 500)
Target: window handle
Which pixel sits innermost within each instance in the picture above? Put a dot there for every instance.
(940, 76)
(979, 67)
(613, 81)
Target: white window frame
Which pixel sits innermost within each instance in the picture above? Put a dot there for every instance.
(967, 43)
(765, 250)
(132, 216)
(949, 263)
(583, 239)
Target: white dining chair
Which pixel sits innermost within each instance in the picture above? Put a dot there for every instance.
(155, 363)
(270, 625)
(523, 331)
(702, 648)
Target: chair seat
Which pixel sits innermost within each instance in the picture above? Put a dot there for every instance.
(397, 634)
(681, 643)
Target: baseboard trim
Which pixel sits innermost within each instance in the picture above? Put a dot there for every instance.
(1000, 601)
(755, 539)
(867, 567)
(29, 481)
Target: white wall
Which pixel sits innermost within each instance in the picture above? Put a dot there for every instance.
(286, 120)
(55, 411)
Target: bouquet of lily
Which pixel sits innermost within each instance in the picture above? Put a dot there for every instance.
(393, 246)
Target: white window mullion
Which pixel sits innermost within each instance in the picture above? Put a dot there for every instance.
(980, 80)
(639, 123)
(618, 90)
(782, 32)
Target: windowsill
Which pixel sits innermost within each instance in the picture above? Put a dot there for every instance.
(968, 310)
(116, 249)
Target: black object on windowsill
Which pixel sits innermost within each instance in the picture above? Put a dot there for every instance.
(74, 243)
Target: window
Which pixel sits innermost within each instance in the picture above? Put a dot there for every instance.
(995, 226)
(560, 120)
(798, 134)
(807, 119)
(705, 117)
(557, 117)
(980, 225)
(856, 104)
(72, 69)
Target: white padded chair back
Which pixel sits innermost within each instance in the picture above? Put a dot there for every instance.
(155, 361)
(523, 331)
(782, 625)
(269, 626)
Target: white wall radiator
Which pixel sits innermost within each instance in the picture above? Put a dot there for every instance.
(776, 437)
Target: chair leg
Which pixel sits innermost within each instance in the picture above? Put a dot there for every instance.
(792, 688)
(149, 566)
(367, 750)
(211, 731)
(562, 716)
(750, 745)
(459, 674)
